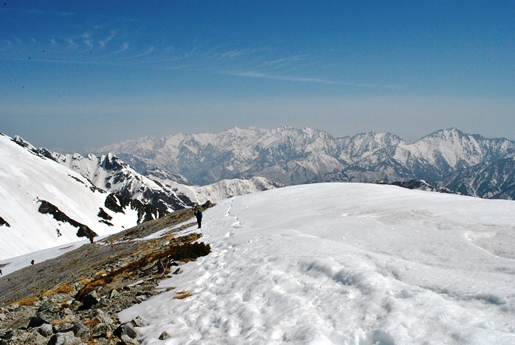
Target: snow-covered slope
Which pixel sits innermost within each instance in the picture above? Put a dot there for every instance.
(345, 264)
(230, 188)
(38, 197)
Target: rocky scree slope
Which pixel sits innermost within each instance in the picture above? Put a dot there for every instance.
(73, 299)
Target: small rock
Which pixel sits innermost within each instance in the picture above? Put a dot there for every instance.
(101, 330)
(38, 320)
(64, 339)
(178, 271)
(164, 336)
(113, 294)
(88, 301)
(139, 322)
(34, 338)
(140, 298)
(126, 340)
(6, 333)
(126, 329)
(81, 331)
(63, 327)
(46, 330)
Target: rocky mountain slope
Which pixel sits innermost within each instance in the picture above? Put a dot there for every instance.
(494, 180)
(110, 173)
(45, 204)
(158, 187)
(293, 156)
(75, 298)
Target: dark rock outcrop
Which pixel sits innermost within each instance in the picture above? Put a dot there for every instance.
(48, 208)
(118, 203)
(4, 222)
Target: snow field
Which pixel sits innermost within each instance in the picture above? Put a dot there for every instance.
(344, 264)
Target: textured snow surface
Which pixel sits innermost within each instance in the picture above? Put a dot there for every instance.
(345, 264)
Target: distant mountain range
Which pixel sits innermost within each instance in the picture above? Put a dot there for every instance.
(463, 163)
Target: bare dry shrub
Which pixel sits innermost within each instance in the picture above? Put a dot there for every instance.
(60, 321)
(182, 295)
(28, 301)
(85, 281)
(65, 289)
(99, 274)
(91, 322)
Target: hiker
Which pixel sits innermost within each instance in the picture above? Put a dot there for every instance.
(58, 233)
(32, 262)
(198, 214)
(1, 274)
(91, 239)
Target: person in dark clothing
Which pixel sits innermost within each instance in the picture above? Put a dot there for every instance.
(198, 214)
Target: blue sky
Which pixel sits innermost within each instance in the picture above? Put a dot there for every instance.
(87, 73)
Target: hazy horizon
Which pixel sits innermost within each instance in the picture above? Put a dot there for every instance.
(79, 74)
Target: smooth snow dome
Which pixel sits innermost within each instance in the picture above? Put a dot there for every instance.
(344, 263)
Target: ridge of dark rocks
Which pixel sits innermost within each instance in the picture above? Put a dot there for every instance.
(75, 298)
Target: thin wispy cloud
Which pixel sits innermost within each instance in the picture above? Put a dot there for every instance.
(280, 77)
(140, 55)
(108, 39)
(233, 54)
(36, 11)
(72, 43)
(123, 47)
(103, 45)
